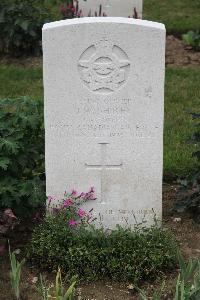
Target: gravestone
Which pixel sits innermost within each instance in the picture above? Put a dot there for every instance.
(104, 99)
(111, 8)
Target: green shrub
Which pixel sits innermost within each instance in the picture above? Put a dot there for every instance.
(21, 24)
(93, 254)
(192, 38)
(21, 154)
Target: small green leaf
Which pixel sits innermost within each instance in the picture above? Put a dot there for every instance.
(4, 162)
(24, 25)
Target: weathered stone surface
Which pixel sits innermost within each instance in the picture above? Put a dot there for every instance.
(104, 100)
(111, 8)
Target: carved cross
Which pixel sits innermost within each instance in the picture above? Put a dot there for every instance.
(103, 166)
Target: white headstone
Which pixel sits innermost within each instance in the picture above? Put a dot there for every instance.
(104, 100)
(111, 8)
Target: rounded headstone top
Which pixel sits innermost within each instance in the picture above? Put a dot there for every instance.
(90, 20)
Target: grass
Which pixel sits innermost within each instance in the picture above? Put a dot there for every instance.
(16, 81)
(179, 16)
(182, 94)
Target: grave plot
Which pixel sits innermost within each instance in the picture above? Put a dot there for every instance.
(104, 134)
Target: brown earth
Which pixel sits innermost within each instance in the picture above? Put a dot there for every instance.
(177, 54)
(24, 62)
(182, 227)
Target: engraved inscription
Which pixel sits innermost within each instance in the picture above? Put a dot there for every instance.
(126, 216)
(104, 67)
(106, 106)
(110, 117)
(108, 127)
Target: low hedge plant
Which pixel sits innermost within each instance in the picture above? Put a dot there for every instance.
(78, 248)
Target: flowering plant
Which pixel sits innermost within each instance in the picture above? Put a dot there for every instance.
(135, 14)
(71, 207)
(70, 10)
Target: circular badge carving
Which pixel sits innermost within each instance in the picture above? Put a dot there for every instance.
(104, 67)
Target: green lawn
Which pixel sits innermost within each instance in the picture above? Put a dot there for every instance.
(179, 16)
(15, 81)
(182, 94)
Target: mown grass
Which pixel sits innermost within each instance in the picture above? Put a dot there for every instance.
(18, 81)
(179, 16)
(182, 94)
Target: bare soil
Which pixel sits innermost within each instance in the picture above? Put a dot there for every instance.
(186, 231)
(24, 62)
(177, 54)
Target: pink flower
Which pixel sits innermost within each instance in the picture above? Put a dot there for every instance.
(82, 194)
(86, 196)
(50, 199)
(56, 210)
(74, 192)
(81, 213)
(62, 8)
(72, 222)
(92, 197)
(69, 5)
(67, 203)
(92, 190)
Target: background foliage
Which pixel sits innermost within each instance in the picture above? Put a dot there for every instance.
(21, 21)
(21, 154)
(21, 24)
